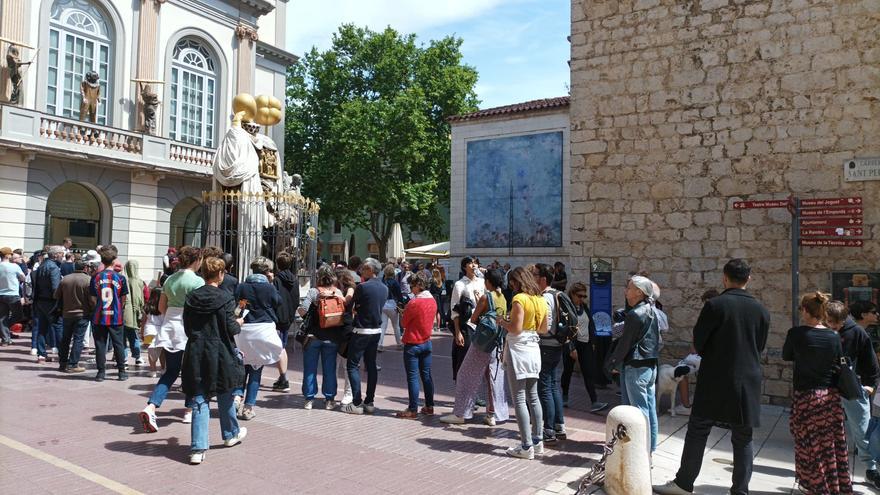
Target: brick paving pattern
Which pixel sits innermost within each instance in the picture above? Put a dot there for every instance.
(94, 426)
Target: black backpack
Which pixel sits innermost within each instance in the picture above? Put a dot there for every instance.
(566, 327)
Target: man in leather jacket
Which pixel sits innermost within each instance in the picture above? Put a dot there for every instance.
(636, 353)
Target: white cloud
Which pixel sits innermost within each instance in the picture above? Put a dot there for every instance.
(312, 23)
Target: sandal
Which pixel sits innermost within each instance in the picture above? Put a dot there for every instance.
(407, 414)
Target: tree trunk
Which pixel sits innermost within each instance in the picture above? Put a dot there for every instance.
(383, 248)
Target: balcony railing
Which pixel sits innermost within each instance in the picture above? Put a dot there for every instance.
(44, 132)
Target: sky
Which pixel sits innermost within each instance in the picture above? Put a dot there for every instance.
(518, 47)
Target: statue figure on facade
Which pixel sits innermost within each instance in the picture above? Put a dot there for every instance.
(90, 92)
(151, 104)
(291, 183)
(14, 65)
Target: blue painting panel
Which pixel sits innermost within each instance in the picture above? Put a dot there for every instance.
(514, 191)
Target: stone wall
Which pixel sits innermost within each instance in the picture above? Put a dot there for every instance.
(680, 108)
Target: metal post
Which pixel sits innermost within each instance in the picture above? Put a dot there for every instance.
(795, 259)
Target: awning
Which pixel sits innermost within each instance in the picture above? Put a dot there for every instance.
(438, 250)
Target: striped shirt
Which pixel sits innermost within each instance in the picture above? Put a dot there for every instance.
(110, 289)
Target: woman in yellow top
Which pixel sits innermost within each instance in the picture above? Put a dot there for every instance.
(478, 365)
(522, 359)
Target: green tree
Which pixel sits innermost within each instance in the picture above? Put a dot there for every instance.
(366, 127)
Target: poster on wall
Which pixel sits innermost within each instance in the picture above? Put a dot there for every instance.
(853, 286)
(514, 191)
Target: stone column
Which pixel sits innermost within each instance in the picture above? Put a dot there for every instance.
(147, 54)
(13, 26)
(247, 51)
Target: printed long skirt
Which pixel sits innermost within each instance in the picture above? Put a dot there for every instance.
(820, 455)
(476, 367)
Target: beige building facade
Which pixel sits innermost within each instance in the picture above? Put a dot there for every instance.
(680, 109)
(114, 180)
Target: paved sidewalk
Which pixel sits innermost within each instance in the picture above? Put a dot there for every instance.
(68, 434)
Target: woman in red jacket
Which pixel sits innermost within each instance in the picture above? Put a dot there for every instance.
(418, 322)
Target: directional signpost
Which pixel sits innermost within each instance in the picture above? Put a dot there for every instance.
(818, 222)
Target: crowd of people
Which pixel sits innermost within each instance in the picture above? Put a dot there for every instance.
(520, 331)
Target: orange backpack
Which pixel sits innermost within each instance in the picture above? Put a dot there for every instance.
(331, 309)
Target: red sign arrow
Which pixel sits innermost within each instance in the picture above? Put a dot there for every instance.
(839, 232)
(773, 203)
(855, 201)
(831, 222)
(832, 212)
(831, 243)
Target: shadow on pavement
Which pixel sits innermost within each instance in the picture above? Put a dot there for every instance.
(87, 376)
(769, 470)
(170, 448)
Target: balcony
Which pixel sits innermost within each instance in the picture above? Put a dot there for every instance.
(38, 132)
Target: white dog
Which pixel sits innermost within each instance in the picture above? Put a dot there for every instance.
(667, 383)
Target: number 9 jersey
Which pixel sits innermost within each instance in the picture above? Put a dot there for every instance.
(109, 288)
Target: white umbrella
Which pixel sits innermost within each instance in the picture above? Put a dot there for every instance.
(438, 250)
(395, 247)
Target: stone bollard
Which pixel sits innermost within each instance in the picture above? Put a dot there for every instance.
(628, 468)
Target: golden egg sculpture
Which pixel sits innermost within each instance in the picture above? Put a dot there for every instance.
(244, 102)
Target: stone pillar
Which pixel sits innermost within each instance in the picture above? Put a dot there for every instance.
(247, 52)
(146, 230)
(147, 54)
(628, 468)
(13, 26)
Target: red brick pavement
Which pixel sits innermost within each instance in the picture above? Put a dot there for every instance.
(94, 425)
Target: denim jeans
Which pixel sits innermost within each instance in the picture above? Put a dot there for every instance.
(640, 384)
(362, 346)
(6, 305)
(873, 436)
(74, 331)
(324, 350)
(695, 444)
(417, 362)
(49, 328)
(549, 390)
(858, 414)
(252, 377)
(528, 408)
(172, 371)
(201, 415)
(390, 315)
(114, 333)
(131, 342)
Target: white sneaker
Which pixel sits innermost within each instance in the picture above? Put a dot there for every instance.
(329, 404)
(33, 352)
(670, 488)
(308, 404)
(489, 420)
(188, 417)
(54, 350)
(452, 419)
(539, 448)
(347, 398)
(139, 362)
(684, 411)
(148, 420)
(521, 453)
(242, 432)
(197, 457)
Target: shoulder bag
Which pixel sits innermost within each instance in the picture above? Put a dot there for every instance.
(488, 334)
(846, 380)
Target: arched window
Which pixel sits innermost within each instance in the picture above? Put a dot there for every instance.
(80, 40)
(193, 88)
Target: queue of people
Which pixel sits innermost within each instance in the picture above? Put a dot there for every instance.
(217, 334)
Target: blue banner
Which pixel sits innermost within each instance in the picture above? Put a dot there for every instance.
(600, 302)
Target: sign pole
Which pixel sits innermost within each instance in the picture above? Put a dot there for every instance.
(795, 259)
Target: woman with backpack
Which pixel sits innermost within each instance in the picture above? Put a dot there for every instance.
(390, 313)
(323, 340)
(479, 364)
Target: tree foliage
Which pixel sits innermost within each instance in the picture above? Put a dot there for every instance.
(366, 127)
